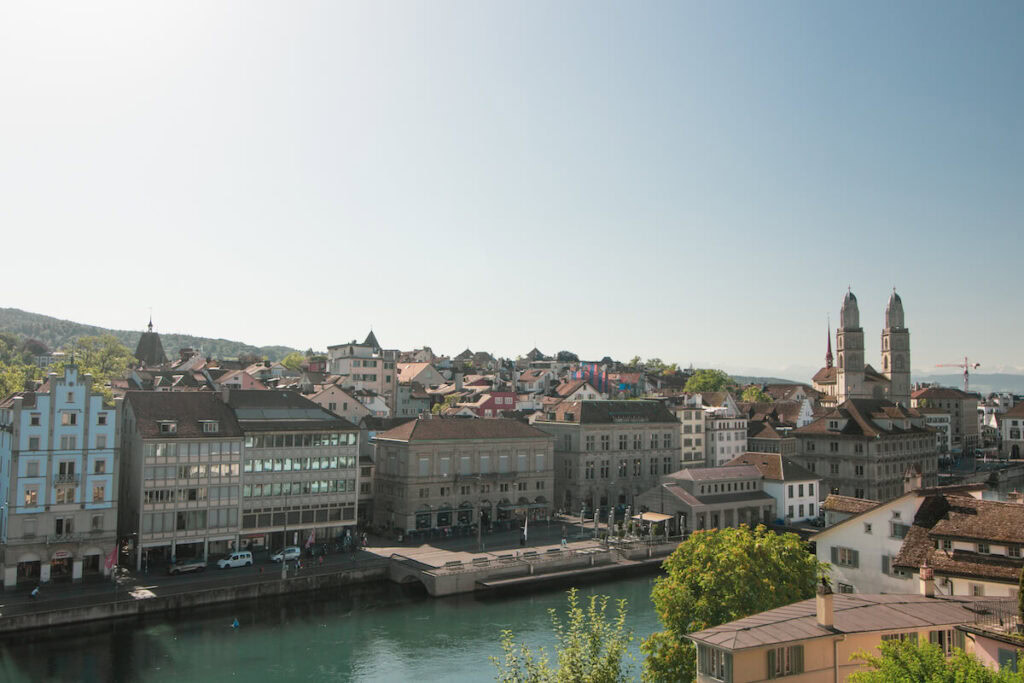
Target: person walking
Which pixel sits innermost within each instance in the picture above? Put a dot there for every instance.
(35, 592)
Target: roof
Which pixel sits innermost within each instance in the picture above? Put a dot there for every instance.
(1015, 411)
(853, 613)
(941, 393)
(188, 408)
(150, 351)
(716, 473)
(439, 429)
(371, 340)
(409, 371)
(572, 386)
(610, 412)
(282, 410)
(861, 416)
(774, 466)
(848, 504)
(28, 399)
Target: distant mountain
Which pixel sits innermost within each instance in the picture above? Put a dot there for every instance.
(744, 380)
(57, 334)
(983, 383)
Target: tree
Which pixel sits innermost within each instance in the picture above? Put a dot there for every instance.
(12, 378)
(634, 362)
(709, 380)
(754, 394)
(906, 660)
(293, 361)
(717, 576)
(591, 646)
(567, 357)
(103, 357)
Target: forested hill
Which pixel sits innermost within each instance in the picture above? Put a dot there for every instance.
(56, 334)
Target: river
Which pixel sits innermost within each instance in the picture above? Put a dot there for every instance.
(382, 632)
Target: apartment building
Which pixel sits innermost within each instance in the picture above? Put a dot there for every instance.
(436, 473)
(300, 469)
(691, 433)
(609, 452)
(963, 410)
(365, 366)
(181, 476)
(59, 460)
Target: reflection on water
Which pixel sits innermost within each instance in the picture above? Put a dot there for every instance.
(379, 632)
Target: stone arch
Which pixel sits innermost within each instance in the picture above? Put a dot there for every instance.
(464, 514)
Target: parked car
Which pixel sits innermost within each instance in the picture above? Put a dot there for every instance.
(290, 553)
(241, 558)
(186, 567)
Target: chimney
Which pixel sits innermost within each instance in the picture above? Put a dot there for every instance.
(927, 575)
(1015, 496)
(823, 604)
(225, 394)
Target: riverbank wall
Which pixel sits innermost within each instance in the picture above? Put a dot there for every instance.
(179, 602)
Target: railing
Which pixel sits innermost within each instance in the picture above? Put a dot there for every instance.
(998, 615)
(65, 478)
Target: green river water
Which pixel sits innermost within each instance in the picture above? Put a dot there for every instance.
(371, 633)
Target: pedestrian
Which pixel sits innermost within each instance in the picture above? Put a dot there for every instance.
(35, 592)
(320, 560)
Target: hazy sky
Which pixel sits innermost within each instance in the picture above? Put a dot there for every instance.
(694, 181)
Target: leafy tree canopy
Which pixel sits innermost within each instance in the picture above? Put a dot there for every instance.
(710, 380)
(104, 357)
(905, 661)
(718, 576)
(293, 361)
(755, 394)
(591, 646)
(567, 357)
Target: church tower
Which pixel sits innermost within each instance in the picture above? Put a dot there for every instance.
(896, 352)
(850, 352)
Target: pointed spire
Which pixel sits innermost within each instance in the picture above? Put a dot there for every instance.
(828, 351)
(150, 327)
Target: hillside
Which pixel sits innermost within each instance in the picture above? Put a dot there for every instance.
(56, 333)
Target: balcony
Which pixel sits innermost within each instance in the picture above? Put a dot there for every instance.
(997, 618)
(66, 478)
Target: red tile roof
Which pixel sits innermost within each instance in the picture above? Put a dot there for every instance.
(439, 429)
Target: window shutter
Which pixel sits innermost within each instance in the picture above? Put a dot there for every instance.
(855, 557)
(885, 564)
(958, 638)
(835, 555)
(798, 659)
(771, 653)
(933, 637)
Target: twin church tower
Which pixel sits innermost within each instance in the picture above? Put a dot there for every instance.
(851, 377)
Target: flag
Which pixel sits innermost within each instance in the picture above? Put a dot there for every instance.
(111, 560)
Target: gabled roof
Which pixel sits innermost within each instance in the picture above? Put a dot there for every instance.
(609, 412)
(943, 393)
(774, 467)
(371, 340)
(443, 429)
(860, 415)
(848, 504)
(738, 471)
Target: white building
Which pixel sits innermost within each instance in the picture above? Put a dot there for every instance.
(725, 430)
(794, 488)
(59, 461)
(1011, 429)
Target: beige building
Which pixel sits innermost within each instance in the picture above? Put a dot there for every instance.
(691, 433)
(181, 475)
(868, 448)
(610, 451)
(436, 473)
(59, 460)
(963, 413)
(814, 641)
(365, 366)
(1011, 428)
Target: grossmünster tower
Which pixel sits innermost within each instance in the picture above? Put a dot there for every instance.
(851, 377)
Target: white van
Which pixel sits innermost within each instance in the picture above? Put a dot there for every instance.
(241, 558)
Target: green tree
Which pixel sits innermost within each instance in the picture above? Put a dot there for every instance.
(293, 361)
(710, 380)
(755, 394)
(12, 378)
(717, 576)
(634, 362)
(908, 662)
(591, 646)
(104, 357)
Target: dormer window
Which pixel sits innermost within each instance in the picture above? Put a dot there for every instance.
(168, 427)
(833, 424)
(210, 426)
(569, 417)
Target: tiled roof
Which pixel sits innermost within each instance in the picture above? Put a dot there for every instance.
(716, 473)
(944, 393)
(1015, 411)
(567, 388)
(188, 408)
(860, 415)
(438, 429)
(28, 399)
(853, 613)
(969, 517)
(848, 504)
(774, 466)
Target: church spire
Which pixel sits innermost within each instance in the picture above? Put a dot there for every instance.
(828, 351)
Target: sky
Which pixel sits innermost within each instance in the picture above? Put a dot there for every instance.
(697, 182)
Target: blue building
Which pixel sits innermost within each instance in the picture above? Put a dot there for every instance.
(58, 481)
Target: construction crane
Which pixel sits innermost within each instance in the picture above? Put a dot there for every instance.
(967, 366)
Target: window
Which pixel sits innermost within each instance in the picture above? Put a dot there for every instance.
(947, 544)
(858, 493)
(845, 557)
(99, 467)
(833, 468)
(31, 496)
(790, 491)
(64, 526)
(833, 447)
(867, 528)
(34, 419)
(858, 470)
(1013, 550)
(98, 493)
(983, 548)
(590, 442)
(810, 487)
(666, 440)
(69, 419)
(785, 661)
(68, 442)
(211, 427)
(977, 590)
(101, 441)
(604, 468)
(714, 663)
(810, 446)
(845, 588)
(623, 441)
(666, 464)
(97, 523)
(911, 636)
(33, 443)
(606, 442)
(800, 490)
(101, 419)
(947, 639)
(168, 427)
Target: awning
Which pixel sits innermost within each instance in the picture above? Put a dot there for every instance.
(652, 517)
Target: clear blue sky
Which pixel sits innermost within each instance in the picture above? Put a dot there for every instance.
(694, 181)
